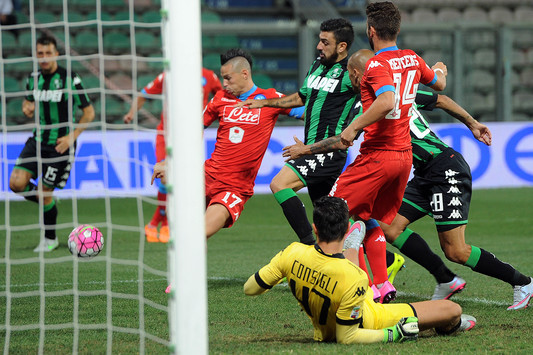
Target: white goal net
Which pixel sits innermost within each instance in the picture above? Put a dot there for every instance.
(52, 302)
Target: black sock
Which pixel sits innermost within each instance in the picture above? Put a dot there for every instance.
(491, 266)
(416, 248)
(390, 258)
(31, 189)
(50, 219)
(294, 211)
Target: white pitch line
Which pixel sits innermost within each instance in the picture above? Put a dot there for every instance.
(3, 287)
(468, 299)
(283, 284)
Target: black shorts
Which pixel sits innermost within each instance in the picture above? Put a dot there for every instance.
(55, 167)
(442, 190)
(319, 171)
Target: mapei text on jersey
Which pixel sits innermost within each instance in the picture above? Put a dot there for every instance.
(48, 95)
(322, 83)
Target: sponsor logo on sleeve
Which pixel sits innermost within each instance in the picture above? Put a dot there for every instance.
(356, 311)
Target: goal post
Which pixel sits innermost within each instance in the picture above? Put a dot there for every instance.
(186, 202)
(115, 301)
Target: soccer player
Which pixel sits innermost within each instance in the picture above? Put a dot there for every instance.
(243, 135)
(52, 147)
(334, 292)
(442, 188)
(373, 184)
(328, 95)
(211, 85)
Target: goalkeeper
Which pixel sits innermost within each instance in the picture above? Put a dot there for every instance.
(334, 292)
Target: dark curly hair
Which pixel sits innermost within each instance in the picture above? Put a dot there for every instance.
(46, 40)
(385, 18)
(331, 218)
(342, 30)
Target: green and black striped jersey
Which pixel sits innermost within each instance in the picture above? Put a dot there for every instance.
(51, 91)
(426, 144)
(329, 96)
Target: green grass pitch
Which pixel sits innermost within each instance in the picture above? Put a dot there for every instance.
(500, 222)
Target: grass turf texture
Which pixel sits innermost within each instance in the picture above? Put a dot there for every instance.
(499, 222)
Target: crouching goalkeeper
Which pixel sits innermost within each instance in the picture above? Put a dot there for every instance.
(334, 291)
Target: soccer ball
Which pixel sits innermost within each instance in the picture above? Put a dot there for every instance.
(85, 241)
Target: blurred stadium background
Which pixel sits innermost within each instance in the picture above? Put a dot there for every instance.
(487, 45)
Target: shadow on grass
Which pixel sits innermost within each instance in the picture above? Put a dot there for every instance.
(222, 282)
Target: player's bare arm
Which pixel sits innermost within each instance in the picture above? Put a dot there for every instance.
(65, 142)
(136, 105)
(442, 71)
(299, 149)
(28, 108)
(479, 130)
(290, 101)
(383, 104)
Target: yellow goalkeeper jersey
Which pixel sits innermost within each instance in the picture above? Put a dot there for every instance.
(329, 288)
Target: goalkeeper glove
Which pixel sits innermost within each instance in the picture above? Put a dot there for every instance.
(405, 330)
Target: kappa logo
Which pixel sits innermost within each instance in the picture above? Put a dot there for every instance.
(312, 164)
(321, 158)
(303, 169)
(454, 190)
(453, 181)
(334, 188)
(227, 100)
(450, 173)
(381, 238)
(374, 64)
(241, 115)
(455, 214)
(455, 202)
(360, 291)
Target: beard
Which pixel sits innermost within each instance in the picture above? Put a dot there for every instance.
(371, 42)
(327, 61)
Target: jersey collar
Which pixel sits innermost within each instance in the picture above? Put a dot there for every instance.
(244, 97)
(337, 255)
(393, 48)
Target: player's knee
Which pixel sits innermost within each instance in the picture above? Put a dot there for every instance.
(456, 254)
(47, 199)
(455, 310)
(277, 184)
(391, 233)
(16, 185)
